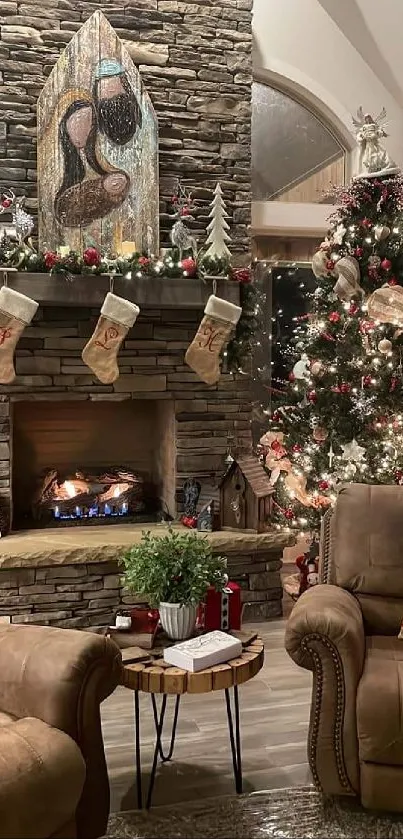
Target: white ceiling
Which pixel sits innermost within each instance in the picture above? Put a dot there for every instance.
(374, 28)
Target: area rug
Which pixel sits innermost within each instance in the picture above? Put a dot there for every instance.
(299, 813)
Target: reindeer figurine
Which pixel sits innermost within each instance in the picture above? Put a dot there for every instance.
(22, 223)
(180, 235)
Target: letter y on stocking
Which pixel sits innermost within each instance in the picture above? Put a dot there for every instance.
(16, 312)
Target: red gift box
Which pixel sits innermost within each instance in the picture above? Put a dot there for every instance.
(221, 609)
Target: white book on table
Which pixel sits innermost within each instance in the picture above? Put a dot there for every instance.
(205, 651)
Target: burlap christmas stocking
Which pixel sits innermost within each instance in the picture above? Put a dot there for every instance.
(203, 355)
(100, 354)
(16, 312)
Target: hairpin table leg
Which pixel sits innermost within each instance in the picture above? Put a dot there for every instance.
(158, 751)
(138, 756)
(167, 757)
(235, 741)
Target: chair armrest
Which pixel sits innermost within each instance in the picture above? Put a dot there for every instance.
(42, 774)
(61, 676)
(325, 634)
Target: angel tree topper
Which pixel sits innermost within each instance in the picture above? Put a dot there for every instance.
(374, 160)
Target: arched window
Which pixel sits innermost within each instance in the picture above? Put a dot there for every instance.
(295, 157)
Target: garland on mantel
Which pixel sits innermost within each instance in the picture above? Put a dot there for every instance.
(24, 258)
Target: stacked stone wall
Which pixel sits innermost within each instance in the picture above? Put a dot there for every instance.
(195, 58)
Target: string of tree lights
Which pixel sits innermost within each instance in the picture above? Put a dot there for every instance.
(336, 411)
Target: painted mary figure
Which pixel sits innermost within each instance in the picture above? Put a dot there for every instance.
(119, 113)
(91, 187)
(97, 148)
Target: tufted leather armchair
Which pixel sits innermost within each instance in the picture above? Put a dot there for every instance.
(346, 631)
(53, 778)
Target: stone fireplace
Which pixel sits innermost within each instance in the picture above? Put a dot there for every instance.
(157, 420)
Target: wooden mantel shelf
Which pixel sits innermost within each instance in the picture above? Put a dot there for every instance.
(147, 292)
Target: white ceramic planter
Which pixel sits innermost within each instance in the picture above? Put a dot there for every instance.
(178, 621)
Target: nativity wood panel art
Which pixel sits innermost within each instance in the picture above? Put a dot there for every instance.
(97, 149)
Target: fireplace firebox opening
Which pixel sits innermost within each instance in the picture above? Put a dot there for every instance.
(87, 462)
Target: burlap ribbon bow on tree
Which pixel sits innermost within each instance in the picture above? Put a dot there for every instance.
(386, 305)
(348, 275)
(277, 462)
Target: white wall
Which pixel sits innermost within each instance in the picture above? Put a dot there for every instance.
(338, 64)
(282, 219)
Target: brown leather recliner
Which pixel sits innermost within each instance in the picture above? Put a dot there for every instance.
(346, 631)
(53, 778)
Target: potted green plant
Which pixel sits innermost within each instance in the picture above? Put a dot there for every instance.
(174, 571)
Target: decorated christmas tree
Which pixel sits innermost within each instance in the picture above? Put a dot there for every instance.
(339, 415)
(218, 228)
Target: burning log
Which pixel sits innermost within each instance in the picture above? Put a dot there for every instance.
(84, 496)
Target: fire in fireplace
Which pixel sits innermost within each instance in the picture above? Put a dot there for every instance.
(111, 494)
(92, 462)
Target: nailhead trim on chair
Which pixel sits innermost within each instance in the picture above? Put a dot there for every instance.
(326, 546)
(339, 715)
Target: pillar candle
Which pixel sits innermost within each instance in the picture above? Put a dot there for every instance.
(127, 248)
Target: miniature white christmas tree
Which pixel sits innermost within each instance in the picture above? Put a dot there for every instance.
(217, 228)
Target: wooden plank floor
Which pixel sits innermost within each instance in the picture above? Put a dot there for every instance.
(274, 719)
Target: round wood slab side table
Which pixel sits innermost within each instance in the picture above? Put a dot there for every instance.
(156, 677)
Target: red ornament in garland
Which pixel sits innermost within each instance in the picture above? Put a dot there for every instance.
(330, 264)
(353, 309)
(359, 252)
(399, 476)
(367, 223)
(297, 448)
(242, 275)
(291, 377)
(386, 264)
(189, 265)
(288, 513)
(50, 258)
(345, 387)
(367, 381)
(312, 396)
(392, 281)
(6, 203)
(334, 317)
(323, 485)
(91, 257)
(144, 261)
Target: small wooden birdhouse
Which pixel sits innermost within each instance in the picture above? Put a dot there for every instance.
(245, 496)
